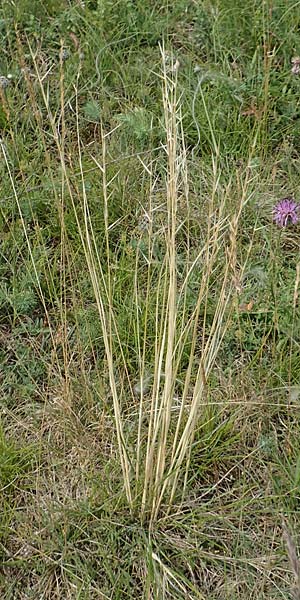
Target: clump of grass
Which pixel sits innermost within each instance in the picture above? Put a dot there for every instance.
(151, 478)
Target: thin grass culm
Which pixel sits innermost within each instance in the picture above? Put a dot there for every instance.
(293, 559)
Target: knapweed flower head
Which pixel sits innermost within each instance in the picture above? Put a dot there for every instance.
(286, 212)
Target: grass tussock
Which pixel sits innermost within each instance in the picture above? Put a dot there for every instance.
(149, 327)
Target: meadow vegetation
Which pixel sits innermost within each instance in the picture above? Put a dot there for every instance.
(149, 304)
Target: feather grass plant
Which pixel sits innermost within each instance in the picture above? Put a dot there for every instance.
(152, 478)
(155, 459)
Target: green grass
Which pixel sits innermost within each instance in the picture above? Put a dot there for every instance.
(149, 306)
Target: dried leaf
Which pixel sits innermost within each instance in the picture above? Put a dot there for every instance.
(246, 307)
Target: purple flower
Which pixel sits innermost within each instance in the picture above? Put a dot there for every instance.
(286, 211)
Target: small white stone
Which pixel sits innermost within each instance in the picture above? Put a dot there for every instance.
(4, 82)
